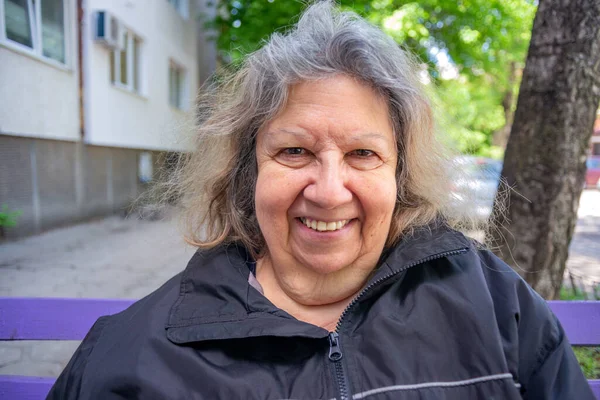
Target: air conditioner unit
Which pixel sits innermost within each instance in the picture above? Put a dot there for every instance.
(108, 30)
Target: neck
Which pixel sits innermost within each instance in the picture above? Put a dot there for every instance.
(309, 302)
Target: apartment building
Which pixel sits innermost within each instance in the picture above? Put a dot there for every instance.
(93, 95)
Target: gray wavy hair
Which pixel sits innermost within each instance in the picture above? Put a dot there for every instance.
(216, 181)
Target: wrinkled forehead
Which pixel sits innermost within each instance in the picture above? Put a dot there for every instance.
(339, 107)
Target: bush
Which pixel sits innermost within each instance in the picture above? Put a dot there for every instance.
(8, 218)
(567, 294)
(589, 361)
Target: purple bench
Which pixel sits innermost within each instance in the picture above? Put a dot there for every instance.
(47, 319)
(70, 319)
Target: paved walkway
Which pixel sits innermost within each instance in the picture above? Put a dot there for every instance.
(584, 251)
(130, 258)
(113, 258)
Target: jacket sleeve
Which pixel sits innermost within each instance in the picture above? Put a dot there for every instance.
(538, 352)
(548, 369)
(68, 386)
(558, 376)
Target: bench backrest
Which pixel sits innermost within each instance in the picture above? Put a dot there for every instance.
(70, 319)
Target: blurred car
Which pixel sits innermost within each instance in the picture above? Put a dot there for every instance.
(592, 175)
(476, 184)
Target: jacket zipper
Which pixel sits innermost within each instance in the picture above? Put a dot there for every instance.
(335, 349)
(335, 355)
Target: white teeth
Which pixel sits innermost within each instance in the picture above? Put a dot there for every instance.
(324, 226)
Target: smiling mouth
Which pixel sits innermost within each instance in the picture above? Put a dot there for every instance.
(322, 226)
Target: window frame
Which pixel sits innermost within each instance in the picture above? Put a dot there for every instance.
(35, 28)
(182, 102)
(182, 7)
(133, 60)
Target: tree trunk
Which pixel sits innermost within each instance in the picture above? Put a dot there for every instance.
(545, 156)
(500, 137)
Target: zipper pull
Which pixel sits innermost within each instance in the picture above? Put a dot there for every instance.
(335, 351)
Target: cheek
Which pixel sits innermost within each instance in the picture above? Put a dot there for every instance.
(274, 195)
(378, 208)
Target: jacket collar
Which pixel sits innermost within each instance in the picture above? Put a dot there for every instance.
(217, 302)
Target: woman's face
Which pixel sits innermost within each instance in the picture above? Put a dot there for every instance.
(326, 185)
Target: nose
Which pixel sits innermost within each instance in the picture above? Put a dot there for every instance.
(328, 188)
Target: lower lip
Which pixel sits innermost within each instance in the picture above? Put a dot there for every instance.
(322, 235)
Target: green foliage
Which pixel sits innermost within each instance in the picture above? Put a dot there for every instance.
(468, 116)
(567, 294)
(474, 50)
(589, 361)
(243, 25)
(8, 219)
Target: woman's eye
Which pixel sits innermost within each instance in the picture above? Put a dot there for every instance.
(363, 159)
(362, 153)
(294, 151)
(294, 156)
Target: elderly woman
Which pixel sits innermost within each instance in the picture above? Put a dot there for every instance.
(327, 266)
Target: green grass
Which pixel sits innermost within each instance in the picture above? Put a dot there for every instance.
(589, 361)
(588, 357)
(567, 294)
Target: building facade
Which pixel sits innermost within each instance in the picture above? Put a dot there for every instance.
(93, 95)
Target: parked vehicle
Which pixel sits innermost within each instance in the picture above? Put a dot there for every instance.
(592, 175)
(477, 184)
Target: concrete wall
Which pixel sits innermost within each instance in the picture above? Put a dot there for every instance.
(55, 183)
(16, 185)
(119, 118)
(39, 96)
(37, 178)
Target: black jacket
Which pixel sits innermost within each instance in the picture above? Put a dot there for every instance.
(439, 320)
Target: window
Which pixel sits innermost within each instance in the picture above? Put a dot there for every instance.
(596, 149)
(17, 19)
(181, 6)
(125, 63)
(38, 26)
(176, 86)
(145, 167)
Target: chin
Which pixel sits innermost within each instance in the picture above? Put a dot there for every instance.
(327, 264)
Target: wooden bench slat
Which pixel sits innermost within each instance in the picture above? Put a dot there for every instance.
(580, 320)
(24, 387)
(70, 319)
(595, 385)
(53, 318)
(37, 388)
